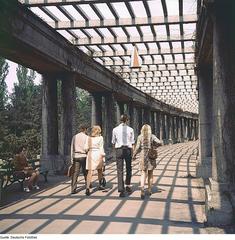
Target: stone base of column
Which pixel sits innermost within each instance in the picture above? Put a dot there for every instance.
(170, 141)
(55, 164)
(165, 141)
(203, 168)
(219, 204)
(178, 140)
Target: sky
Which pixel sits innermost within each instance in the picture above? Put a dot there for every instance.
(12, 78)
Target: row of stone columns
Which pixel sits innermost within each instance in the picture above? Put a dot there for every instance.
(217, 118)
(106, 112)
(169, 128)
(55, 148)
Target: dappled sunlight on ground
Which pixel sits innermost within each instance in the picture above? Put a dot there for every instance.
(176, 205)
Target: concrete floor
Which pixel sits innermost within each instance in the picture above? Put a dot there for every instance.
(176, 205)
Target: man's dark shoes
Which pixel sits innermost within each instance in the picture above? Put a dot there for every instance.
(122, 194)
(128, 189)
(101, 187)
(74, 192)
(142, 194)
(88, 192)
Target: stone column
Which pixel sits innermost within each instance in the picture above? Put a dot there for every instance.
(109, 121)
(174, 129)
(140, 118)
(178, 124)
(170, 129)
(182, 129)
(196, 129)
(146, 115)
(96, 109)
(68, 117)
(153, 124)
(157, 121)
(132, 112)
(221, 201)
(49, 123)
(189, 128)
(185, 129)
(120, 110)
(204, 164)
(166, 129)
(161, 126)
(192, 136)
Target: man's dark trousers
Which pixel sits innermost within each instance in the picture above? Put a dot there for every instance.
(80, 163)
(123, 153)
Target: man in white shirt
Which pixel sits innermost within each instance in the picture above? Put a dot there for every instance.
(123, 141)
(78, 156)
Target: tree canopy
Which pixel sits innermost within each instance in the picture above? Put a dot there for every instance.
(20, 112)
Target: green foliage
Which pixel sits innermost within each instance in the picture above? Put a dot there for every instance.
(25, 112)
(3, 100)
(3, 86)
(20, 115)
(22, 118)
(83, 114)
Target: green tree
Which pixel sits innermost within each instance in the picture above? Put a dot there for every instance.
(3, 102)
(24, 113)
(83, 107)
(22, 100)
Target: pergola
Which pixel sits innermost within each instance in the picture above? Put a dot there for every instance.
(163, 31)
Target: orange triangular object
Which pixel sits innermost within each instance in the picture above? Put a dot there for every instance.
(135, 61)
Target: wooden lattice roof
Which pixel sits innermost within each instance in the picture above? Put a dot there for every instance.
(163, 31)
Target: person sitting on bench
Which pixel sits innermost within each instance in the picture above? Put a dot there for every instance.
(21, 164)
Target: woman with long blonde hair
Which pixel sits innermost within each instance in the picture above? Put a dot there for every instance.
(95, 157)
(146, 164)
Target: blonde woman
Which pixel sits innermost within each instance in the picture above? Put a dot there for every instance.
(146, 165)
(95, 156)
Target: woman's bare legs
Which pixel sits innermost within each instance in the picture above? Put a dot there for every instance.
(150, 181)
(100, 173)
(100, 176)
(142, 182)
(33, 179)
(88, 182)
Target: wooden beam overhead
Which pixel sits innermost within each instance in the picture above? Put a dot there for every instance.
(145, 62)
(39, 3)
(122, 22)
(163, 53)
(150, 51)
(136, 39)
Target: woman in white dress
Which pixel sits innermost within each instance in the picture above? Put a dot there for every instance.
(95, 156)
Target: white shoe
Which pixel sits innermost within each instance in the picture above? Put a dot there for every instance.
(36, 187)
(26, 189)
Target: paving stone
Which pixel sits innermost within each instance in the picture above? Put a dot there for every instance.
(85, 227)
(176, 205)
(56, 226)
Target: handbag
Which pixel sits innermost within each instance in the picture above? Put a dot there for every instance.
(71, 170)
(152, 153)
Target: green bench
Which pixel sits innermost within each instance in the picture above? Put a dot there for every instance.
(8, 175)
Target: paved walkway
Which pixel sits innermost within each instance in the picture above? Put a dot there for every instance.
(176, 205)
